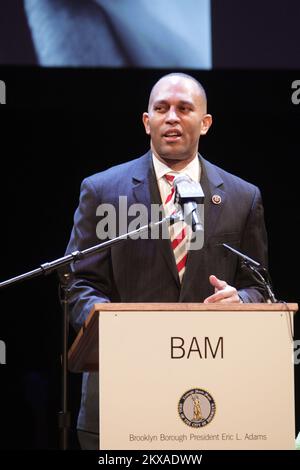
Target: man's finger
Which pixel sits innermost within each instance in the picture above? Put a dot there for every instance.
(217, 297)
(217, 283)
(225, 293)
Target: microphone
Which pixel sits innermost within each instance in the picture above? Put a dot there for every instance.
(256, 268)
(188, 194)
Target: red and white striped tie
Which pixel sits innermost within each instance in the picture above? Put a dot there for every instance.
(178, 231)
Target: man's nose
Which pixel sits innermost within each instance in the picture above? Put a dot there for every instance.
(172, 115)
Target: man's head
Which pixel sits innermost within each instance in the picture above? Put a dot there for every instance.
(176, 117)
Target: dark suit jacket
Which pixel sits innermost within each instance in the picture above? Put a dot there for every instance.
(145, 270)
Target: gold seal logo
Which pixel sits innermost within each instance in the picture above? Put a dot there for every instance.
(196, 408)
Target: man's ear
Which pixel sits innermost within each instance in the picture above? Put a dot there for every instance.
(206, 123)
(146, 123)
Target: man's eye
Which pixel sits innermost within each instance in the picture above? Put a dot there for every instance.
(159, 108)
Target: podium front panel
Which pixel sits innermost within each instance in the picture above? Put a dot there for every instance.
(196, 380)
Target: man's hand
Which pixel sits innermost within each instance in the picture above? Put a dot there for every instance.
(223, 292)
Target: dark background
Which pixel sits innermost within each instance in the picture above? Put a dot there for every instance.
(62, 125)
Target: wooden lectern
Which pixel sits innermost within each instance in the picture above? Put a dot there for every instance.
(191, 376)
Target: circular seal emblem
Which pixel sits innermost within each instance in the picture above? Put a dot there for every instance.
(196, 408)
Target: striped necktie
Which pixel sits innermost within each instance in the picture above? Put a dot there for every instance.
(178, 231)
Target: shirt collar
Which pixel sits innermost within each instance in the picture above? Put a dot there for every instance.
(193, 169)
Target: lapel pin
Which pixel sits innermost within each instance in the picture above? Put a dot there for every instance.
(216, 199)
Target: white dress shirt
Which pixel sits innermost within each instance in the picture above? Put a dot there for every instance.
(192, 170)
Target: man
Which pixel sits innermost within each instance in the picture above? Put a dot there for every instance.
(162, 270)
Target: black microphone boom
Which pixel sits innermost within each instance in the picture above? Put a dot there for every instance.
(245, 258)
(256, 268)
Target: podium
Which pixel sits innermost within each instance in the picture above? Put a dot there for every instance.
(186, 376)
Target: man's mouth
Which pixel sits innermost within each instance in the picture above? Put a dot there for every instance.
(172, 135)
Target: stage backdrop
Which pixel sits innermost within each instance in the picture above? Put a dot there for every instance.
(61, 125)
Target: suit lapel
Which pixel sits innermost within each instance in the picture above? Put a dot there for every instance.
(141, 186)
(212, 185)
(145, 191)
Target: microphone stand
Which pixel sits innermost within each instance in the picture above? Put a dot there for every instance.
(64, 418)
(256, 268)
(264, 281)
